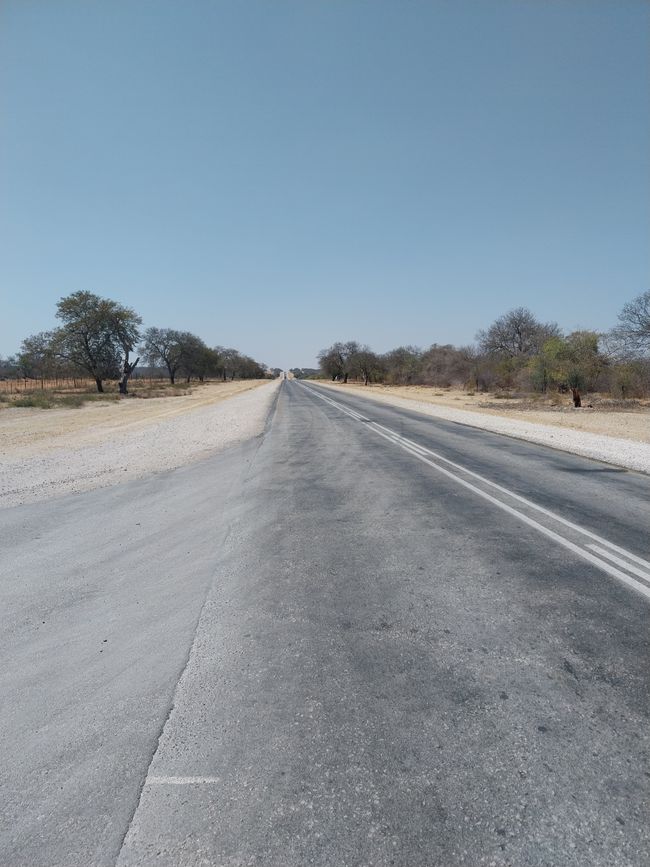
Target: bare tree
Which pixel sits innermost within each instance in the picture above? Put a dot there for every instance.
(633, 329)
(516, 334)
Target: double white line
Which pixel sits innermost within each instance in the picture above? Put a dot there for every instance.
(615, 561)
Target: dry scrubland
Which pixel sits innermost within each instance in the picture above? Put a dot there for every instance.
(603, 431)
(44, 453)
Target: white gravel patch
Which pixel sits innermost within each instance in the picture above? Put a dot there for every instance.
(625, 453)
(162, 445)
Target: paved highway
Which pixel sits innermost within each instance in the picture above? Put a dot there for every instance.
(366, 638)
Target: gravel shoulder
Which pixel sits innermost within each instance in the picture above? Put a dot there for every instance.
(46, 453)
(581, 432)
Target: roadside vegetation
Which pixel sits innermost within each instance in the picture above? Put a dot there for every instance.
(101, 352)
(519, 358)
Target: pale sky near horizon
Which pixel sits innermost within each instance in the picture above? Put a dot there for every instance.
(275, 175)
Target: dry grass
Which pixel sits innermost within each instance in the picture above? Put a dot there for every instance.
(74, 393)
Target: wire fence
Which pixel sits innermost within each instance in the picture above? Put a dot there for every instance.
(69, 384)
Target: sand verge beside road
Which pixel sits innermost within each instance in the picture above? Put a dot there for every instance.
(619, 438)
(45, 453)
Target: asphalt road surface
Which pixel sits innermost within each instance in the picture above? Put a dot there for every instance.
(365, 638)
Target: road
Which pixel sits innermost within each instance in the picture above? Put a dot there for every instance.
(366, 638)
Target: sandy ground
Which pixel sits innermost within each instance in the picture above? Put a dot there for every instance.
(46, 453)
(616, 437)
(33, 431)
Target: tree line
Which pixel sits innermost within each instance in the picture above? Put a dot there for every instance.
(518, 352)
(99, 338)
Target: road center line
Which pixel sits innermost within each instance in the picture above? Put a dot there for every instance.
(182, 781)
(620, 562)
(423, 454)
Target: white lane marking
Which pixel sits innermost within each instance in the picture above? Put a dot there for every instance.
(566, 543)
(620, 562)
(182, 781)
(420, 452)
(629, 555)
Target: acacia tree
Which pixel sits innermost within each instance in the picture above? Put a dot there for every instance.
(36, 358)
(330, 363)
(368, 364)
(163, 346)
(97, 336)
(194, 361)
(337, 361)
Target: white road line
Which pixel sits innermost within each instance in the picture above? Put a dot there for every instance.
(182, 781)
(628, 555)
(620, 562)
(423, 454)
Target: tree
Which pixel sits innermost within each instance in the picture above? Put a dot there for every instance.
(163, 346)
(633, 329)
(367, 364)
(195, 359)
(330, 363)
(228, 362)
(8, 367)
(445, 366)
(573, 362)
(516, 334)
(337, 360)
(403, 365)
(36, 358)
(97, 336)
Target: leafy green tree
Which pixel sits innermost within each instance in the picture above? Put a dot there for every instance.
(573, 362)
(97, 336)
(195, 356)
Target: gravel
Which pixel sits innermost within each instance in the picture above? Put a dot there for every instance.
(160, 446)
(611, 450)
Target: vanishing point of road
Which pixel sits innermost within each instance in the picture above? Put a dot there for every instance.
(367, 637)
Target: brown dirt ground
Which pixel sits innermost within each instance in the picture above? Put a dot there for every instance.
(34, 431)
(602, 417)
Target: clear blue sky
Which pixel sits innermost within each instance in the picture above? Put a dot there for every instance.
(275, 175)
